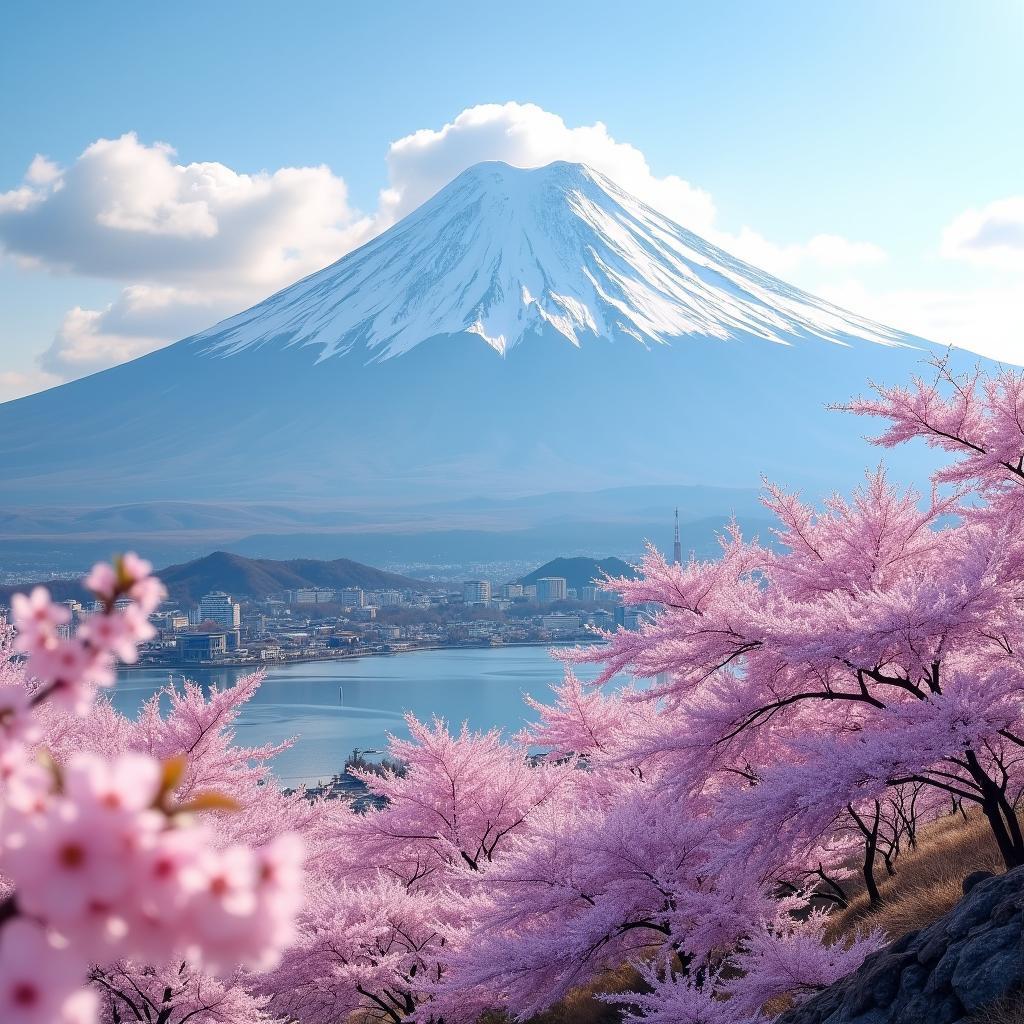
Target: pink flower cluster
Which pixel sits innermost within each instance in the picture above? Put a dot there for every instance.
(73, 666)
(104, 863)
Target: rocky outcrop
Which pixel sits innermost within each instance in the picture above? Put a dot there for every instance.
(969, 959)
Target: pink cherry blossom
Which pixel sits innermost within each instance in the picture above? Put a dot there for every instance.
(37, 619)
(17, 726)
(38, 981)
(62, 861)
(102, 581)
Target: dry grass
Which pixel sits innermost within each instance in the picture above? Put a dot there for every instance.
(1006, 1011)
(928, 881)
(582, 1005)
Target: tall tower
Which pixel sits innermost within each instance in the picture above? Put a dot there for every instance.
(677, 547)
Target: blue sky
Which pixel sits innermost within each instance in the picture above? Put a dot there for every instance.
(876, 126)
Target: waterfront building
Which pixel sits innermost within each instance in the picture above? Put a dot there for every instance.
(561, 623)
(193, 648)
(634, 616)
(551, 588)
(476, 592)
(220, 608)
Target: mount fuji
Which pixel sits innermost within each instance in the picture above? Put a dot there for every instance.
(522, 331)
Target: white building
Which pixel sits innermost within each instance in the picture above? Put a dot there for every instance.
(591, 594)
(313, 595)
(476, 592)
(561, 623)
(220, 608)
(351, 597)
(551, 588)
(510, 591)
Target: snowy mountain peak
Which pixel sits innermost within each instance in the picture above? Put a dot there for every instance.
(505, 252)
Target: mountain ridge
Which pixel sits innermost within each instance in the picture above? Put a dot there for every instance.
(247, 578)
(559, 246)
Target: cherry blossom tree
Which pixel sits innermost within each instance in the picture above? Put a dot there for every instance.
(875, 650)
(113, 842)
(397, 885)
(808, 705)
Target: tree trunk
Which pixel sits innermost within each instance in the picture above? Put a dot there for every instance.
(1001, 815)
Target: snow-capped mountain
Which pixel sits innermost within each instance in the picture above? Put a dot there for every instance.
(504, 252)
(522, 331)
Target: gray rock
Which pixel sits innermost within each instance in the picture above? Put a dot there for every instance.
(974, 878)
(972, 957)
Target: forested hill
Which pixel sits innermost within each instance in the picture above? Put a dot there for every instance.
(580, 572)
(249, 577)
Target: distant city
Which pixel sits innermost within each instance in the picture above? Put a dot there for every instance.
(312, 623)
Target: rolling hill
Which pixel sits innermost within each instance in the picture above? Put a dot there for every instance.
(249, 578)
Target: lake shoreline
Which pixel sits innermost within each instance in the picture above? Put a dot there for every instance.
(257, 666)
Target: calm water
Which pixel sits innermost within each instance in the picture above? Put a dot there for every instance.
(332, 707)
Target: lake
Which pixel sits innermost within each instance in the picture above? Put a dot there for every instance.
(332, 707)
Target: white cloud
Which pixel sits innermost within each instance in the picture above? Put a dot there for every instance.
(991, 237)
(825, 252)
(197, 241)
(127, 211)
(141, 319)
(987, 320)
(524, 135)
(17, 383)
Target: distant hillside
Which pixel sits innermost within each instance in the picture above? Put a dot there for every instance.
(249, 577)
(260, 577)
(580, 572)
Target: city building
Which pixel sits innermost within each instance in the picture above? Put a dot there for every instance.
(198, 647)
(220, 608)
(634, 616)
(476, 592)
(171, 622)
(312, 595)
(510, 591)
(590, 594)
(390, 599)
(551, 588)
(351, 597)
(561, 623)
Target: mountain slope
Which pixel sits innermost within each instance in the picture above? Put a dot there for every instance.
(523, 331)
(502, 252)
(260, 577)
